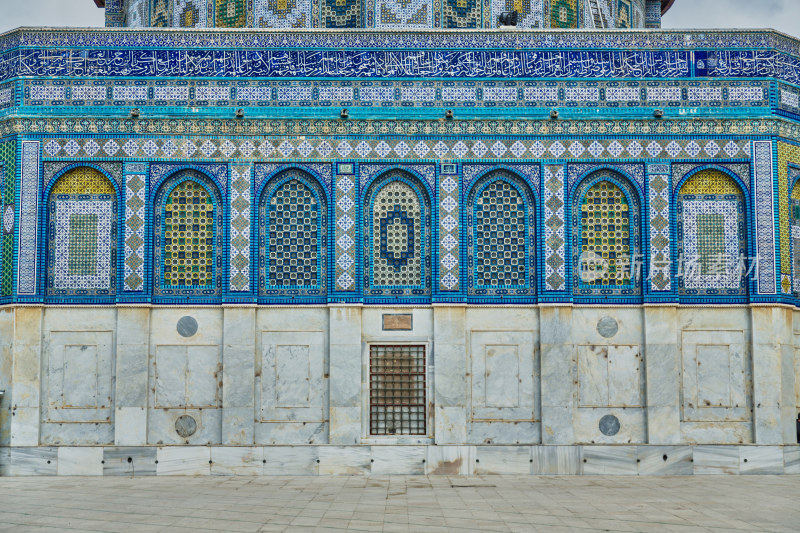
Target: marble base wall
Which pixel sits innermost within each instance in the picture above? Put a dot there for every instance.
(310, 460)
(502, 384)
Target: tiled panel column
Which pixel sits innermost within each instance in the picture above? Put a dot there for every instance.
(658, 196)
(450, 375)
(558, 371)
(133, 338)
(772, 328)
(345, 374)
(135, 194)
(765, 216)
(240, 216)
(662, 362)
(554, 240)
(26, 376)
(238, 376)
(345, 231)
(28, 218)
(449, 251)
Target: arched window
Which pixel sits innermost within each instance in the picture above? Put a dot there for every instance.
(187, 237)
(501, 241)
(711, 239)
(396, 237)
(82, 235)
(794, 214)
(606, 237)
(293, 241)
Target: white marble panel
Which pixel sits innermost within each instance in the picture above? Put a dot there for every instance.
(716, 459)
(84, 461)
(183, 461)
(609, 460)
(791, 460)
(41, 461)
(664, 460)
(236, 461)
(760, 460)
(400, 460)
(346, 460)
(502, 460)
(291, 433)
(130, 426)
(557, 460)
(291, 460)
(450, 460)
(129, 461)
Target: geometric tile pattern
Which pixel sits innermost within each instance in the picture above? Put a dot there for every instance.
(563, 13)
(461, 14)
(345, 231)
(231, 14)
(659, 200)
(28, 218)
(404, 14)
(240, 206)
(8, 161)
(190, 14)
(396, 226)
(501, 240)
(787, 154)
(161, 14)
(605, 236)
(711, 237)
(341, 13)
(765, 217)
(135, 194)
(531, 13)
(282, 14)
(188, 237)
(293, 242)
(320, 148)
(554, 226)
(449, 229)
(187, 240)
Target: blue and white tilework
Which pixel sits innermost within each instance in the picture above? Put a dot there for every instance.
(449, 228)
(28, 218)
(135, 205)
(765, 216)
(726, 275)
(345, 233)
(659, 201)
(100, 273)
(240, 215)
(404, 14)
(554, 239)
(289, 14)
(190, 14)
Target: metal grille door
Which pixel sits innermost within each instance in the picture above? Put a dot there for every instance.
(397, 390)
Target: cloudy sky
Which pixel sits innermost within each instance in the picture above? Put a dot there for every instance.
(783, 15)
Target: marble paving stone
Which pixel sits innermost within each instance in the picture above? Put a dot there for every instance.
(716, 459)
(183, 461)
(664, 460)
(502, 460)
(609, 460)
(33, 462)
(557, 460)
(450, 460)
(791, 460)
(142, 461)
(344, 460)
(236, 461)
(760, 460)
(291, 460)
(83, 461)
(404, 460)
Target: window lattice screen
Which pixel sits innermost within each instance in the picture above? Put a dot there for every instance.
(397, 390)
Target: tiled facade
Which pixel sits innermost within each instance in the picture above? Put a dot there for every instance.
(245, 237)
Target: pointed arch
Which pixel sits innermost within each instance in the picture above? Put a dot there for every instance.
(501, 239)
(187, 238)
(712, 245)
(606, 236)
(397, 222)
(293, 233)
(82, 235)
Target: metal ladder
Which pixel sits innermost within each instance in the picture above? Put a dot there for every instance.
(596, 14)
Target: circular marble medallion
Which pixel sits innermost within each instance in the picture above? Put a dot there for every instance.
(187, 326)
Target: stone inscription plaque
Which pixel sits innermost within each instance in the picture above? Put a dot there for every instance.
(397, 322)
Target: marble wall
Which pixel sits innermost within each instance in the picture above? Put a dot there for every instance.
(290, 386)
